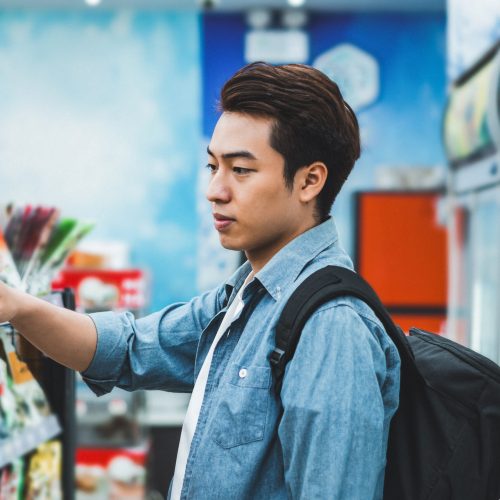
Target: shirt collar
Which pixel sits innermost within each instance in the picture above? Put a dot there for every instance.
(286, 265)
(237, 279)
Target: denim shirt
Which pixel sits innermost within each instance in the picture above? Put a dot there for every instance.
(323, 437)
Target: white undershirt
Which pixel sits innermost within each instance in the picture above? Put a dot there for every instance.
(193, 411)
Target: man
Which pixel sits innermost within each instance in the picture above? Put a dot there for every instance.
(280, 152)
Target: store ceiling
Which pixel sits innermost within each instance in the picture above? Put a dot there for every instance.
(238, 5)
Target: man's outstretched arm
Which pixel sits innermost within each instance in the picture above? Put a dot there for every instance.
(68, 337)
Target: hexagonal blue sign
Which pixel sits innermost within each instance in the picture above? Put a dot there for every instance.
(355, 71)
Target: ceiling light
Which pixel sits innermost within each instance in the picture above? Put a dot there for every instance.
(92, 3)
(293, 19)
(259, 19)
(296, 3)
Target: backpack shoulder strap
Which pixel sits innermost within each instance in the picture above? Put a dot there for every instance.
(320, 287)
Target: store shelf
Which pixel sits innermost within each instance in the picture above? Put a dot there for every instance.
(28, 439)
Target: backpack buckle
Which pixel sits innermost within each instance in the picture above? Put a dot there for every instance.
(276, 356)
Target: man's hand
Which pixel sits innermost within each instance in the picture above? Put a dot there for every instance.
(66, 336)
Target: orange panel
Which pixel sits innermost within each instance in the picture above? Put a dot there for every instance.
(402, 251)
(432, 323)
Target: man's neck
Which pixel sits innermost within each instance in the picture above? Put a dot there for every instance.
(260, 258)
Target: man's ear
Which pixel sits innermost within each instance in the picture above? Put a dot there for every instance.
(309, 180)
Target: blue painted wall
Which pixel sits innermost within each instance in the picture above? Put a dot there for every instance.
(100, 112)
(403, 126)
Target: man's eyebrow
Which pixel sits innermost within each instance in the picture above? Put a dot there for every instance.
(234, 154)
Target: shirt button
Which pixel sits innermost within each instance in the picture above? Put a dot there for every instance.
(243, 373)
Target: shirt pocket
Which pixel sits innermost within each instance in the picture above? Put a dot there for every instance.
(242, 407)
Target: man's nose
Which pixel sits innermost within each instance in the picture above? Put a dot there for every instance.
(218, 190)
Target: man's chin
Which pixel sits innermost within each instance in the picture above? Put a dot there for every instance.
(230, 245)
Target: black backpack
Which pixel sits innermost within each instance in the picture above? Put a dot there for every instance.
(444, 439)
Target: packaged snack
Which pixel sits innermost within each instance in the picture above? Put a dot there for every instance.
(31, 402)
(12, 481)
(43, 475)
(8, 483)
(34, 244)
(39, 233)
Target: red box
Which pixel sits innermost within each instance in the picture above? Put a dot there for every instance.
(99, 289)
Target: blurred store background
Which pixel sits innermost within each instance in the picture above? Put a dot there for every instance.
(107, 107)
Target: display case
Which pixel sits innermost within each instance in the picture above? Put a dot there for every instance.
(472, 139)
(37, 395)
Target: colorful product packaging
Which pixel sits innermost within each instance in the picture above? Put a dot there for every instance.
(34, 244)
(31, 404)
(43, 474)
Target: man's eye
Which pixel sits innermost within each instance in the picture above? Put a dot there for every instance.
(241, 170)
(211, 167)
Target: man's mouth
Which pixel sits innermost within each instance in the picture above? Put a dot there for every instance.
(222, 222)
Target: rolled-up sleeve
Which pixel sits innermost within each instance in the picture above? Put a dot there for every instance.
(154, 352)
(339, 393)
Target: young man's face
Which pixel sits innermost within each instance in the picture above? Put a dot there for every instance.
(253, 209)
